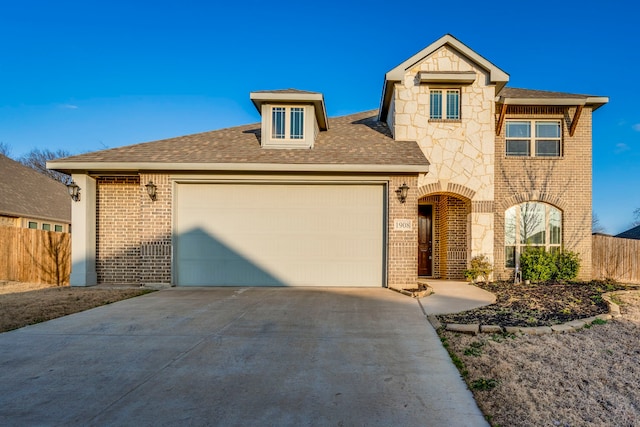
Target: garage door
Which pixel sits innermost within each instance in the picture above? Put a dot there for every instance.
(235, 234)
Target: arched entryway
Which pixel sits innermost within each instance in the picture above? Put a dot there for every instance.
(443, 235)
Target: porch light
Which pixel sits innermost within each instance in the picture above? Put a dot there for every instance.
(74, 191)
(151, 190)
(402, 192)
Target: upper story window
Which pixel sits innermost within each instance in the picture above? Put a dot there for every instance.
(531, 226)
(539, 138)
(287, 123)
(444, 104)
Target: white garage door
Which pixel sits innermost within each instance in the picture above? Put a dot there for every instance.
(232, 234)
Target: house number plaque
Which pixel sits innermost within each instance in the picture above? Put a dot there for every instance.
(403, 225)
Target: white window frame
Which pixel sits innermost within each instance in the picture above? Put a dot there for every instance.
(444, 106)
(289, 112)
(519, 238)
(533, 138)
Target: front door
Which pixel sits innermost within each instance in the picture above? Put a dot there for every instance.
(425, 246)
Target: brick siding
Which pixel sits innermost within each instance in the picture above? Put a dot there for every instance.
(562, 182)
(403, 245)
(117, 237)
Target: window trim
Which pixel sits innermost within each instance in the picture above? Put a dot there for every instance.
(443, 110)
(518, 245)
(533, 138)
(289, 123)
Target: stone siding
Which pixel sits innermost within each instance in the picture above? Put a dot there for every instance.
(462, 156)
(563, 182)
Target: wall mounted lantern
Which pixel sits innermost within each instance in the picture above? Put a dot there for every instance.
(402, 192)
(74, 191)
(151, 190)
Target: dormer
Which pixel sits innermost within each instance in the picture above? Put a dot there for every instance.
(291, 118)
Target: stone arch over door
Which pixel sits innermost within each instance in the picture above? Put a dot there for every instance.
(451, 228)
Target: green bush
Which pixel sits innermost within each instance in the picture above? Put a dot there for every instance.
(480, 267)
(538, 265)
(567, 265)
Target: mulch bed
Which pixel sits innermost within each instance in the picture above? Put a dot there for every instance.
(539, 304)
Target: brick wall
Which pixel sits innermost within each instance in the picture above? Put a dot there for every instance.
(8, 221)
(133, 231)
(117, 237)
(457, 232)
(562, 182)
(403, 245)
(155, 230)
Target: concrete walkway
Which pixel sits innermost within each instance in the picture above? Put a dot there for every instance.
(450, 296)
(236, 356)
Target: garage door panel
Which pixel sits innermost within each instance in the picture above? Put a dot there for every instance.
(279, 234)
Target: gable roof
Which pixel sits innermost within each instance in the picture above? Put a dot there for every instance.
(516, 96)
(25, 192)
(632, 233)
(354, 143)
(496, 75)
(260, 97)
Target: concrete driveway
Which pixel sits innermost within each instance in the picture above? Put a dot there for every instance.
(236, 356)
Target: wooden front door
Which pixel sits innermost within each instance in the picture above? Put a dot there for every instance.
(425, 242)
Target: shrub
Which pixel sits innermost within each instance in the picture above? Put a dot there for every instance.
(538, 265)
(480, 266)
(567, 265)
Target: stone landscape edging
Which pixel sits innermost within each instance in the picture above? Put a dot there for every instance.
(572, 326)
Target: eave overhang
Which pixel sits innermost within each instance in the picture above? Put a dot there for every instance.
(284, 97)
(122, 167)
(593, 101)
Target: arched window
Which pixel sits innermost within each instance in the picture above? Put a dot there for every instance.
(531, 225)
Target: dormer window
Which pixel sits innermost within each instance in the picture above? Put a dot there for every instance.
(290, 118)
(287, 123)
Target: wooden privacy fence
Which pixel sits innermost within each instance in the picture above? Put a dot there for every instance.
(616, 258)
(34, 256)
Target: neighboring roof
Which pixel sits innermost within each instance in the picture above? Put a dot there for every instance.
(516, 96)
(632, 233)
(260, 97)
(496, 75)
(358, 143)
(25, 192)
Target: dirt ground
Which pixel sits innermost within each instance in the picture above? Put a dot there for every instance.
(23, 304)
(590, 377)
(540, 304)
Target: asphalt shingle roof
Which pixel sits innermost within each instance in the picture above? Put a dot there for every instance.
(357, 139)
(27, 193)
(632, 233)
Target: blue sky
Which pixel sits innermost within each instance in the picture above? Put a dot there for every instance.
(88, 75)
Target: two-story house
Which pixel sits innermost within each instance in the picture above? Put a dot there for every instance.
(452, 165)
